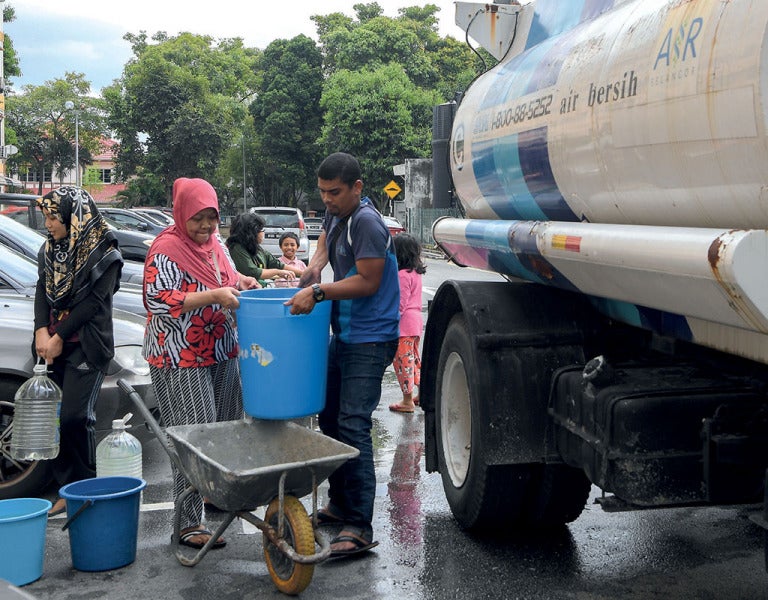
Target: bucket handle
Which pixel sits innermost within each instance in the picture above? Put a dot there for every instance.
(79, 512)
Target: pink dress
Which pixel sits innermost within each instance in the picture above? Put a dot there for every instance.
(407, 362)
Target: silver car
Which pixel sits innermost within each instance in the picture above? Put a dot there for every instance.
(279, 220)
(19, 479)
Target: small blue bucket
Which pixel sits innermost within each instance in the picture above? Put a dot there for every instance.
(283, 357)
(22, 539)
(103, 521)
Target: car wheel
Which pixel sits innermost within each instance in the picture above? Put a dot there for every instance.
(17, 478)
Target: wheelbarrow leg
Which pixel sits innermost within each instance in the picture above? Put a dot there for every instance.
(176, 536)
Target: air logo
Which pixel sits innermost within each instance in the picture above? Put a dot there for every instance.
(679, 45)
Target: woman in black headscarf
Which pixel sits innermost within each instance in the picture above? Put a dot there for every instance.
(79, 268)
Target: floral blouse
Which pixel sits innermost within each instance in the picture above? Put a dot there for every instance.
(199, 338)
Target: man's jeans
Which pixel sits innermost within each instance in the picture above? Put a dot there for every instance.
(355, 372)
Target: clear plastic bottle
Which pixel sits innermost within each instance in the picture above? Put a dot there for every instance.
(37, 406)
(119, 453)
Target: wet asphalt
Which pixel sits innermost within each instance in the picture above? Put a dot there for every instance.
(696, 553)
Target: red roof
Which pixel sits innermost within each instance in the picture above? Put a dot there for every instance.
(102, 194)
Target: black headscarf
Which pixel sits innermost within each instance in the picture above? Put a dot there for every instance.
(72, 264)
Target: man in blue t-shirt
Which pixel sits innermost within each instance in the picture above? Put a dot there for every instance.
(365, 323)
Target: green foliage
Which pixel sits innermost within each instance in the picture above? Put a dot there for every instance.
(287, 118)
(11, 66)
(174, 109)
(378, 115)
(44, 129)
(145, 189)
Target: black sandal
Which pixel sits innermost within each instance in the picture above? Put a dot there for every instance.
(360, 543)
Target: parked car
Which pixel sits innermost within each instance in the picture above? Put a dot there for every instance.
(27, 241)
(30, 478)
(393, 225)
(132, 219)
(162, 217)
(314, 227)
(133, 244)
(279, 220)
(18, 274)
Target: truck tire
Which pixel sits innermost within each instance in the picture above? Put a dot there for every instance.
(17, 478)
(478, 495)
(482, 496)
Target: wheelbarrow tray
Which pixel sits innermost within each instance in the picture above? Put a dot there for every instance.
(237, 465)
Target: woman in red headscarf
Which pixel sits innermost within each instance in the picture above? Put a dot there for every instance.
(191, 289)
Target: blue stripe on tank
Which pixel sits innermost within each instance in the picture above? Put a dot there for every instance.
(514, 172)
(533, 151)
(512, 250)
(515, 177)
(553, 17)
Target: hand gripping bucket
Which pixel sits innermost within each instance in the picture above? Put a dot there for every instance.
(22, 539)
(283, 357)
(103, 521)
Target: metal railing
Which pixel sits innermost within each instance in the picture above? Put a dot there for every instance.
(419, 222)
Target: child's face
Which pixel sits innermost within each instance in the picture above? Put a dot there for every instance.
(289, 247)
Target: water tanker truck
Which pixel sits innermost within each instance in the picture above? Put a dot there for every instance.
(613, 168)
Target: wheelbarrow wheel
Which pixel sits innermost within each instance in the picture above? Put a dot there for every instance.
(290, 577)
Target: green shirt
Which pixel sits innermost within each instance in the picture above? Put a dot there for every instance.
(250, 265)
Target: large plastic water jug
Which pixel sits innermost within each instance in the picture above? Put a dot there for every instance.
(119, 453)
(37, 405)
(283, 357)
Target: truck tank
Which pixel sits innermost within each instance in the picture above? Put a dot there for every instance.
(619, 149)
(613, 166)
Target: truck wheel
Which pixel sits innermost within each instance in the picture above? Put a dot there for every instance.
(17, 478)
(491, 497)
(479, 495)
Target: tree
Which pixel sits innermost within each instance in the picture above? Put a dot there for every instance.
(10, 57)
(174, 110)
(385, 76)
(287, 117)
(44, 130)
(378, 115)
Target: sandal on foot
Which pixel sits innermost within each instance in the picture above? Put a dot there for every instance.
(360, 544)
(185, 539)
(326, 517)
(400, 408)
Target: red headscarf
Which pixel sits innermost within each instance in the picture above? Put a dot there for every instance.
(190, 196)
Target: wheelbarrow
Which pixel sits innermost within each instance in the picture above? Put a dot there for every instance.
(241, 465)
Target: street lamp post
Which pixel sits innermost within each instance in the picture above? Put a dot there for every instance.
(69, 105)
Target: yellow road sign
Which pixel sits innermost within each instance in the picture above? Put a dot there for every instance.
(392, 189)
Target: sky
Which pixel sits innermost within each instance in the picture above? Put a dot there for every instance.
(86, 36)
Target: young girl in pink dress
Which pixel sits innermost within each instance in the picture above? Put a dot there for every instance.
(407, 362)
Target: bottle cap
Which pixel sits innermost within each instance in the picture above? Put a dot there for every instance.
(40, 369)
(122, 423)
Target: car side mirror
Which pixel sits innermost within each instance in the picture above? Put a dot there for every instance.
(142, 227)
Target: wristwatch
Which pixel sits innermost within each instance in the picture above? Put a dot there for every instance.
(317, 293)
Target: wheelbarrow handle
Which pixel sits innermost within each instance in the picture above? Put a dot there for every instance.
(152, 422)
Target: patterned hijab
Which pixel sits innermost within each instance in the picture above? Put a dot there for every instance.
(190, 196)
(72, 264)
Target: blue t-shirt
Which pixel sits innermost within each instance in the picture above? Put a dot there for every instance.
(372, 318)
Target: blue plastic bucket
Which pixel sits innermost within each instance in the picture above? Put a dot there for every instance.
(22, 539)
(103, 521)
(283, 357)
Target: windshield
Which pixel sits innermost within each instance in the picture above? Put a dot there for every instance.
(17, 267)
(23, 235)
